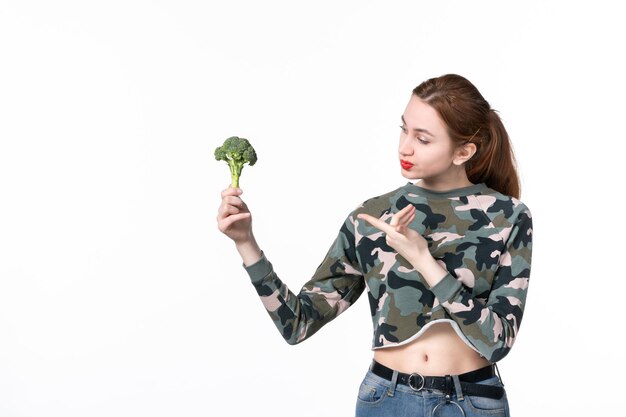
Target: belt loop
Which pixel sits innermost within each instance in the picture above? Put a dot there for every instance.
(498, 372)
(394, 382)
(457, 387)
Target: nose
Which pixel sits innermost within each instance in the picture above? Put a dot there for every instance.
(405, 147)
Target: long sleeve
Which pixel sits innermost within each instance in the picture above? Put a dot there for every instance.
(336, 284)
(492, 326)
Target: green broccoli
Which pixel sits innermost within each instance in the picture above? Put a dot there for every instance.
(236, 152)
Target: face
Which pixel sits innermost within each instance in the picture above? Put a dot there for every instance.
(426, 151)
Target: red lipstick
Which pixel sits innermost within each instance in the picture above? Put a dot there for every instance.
(406, 164)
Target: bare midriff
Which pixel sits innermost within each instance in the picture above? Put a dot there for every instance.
(439, 351)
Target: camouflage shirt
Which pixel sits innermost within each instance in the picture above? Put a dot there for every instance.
(482, 237)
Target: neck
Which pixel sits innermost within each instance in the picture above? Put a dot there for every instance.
(452, 181)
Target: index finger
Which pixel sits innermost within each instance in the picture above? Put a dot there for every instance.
(231, 191)
(377, 223)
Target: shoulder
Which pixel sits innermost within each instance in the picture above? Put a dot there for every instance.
(497, 204)
(509, 215)
(380, 204)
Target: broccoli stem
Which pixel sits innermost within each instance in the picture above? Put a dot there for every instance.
(235, 172)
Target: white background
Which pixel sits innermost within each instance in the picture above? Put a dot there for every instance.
(119, 297)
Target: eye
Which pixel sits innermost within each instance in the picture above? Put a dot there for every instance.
(418, 138)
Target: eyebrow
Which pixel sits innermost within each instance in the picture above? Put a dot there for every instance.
(416, 129)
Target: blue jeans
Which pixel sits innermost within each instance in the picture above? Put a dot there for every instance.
(379, 397)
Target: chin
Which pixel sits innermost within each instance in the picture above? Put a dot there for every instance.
(409, 175)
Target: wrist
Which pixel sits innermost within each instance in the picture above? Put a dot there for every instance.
(430, 269)
(249, 251)
(422, 261)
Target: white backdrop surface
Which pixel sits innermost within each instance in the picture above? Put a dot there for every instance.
(119, 297)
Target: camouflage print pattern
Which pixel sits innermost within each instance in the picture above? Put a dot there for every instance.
(482, 237)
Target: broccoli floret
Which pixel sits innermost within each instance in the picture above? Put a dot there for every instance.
(236, 152)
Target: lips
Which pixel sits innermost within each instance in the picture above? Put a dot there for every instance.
(406, 164)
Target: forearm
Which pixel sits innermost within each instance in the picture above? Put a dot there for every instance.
(490, 333)
(321, 299)
(491, 324)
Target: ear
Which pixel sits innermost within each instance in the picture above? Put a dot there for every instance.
(464, 153)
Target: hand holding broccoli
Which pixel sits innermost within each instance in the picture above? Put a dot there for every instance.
(236, 152)
(233, 216)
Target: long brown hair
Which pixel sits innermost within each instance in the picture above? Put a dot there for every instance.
(470, 118)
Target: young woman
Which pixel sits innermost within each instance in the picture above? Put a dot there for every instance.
(445, 261)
